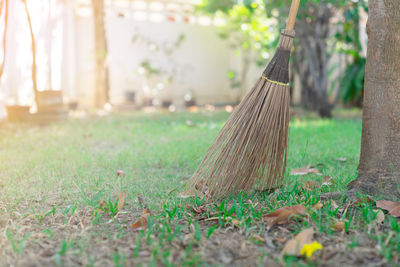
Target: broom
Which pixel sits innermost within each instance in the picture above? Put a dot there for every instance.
(250, 150)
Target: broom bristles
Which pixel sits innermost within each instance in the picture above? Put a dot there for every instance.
(250, 150)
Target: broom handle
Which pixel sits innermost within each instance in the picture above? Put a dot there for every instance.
(292, 14)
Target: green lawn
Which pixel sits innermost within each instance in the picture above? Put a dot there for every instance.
(52, 179)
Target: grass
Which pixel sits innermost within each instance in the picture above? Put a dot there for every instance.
(53, 179)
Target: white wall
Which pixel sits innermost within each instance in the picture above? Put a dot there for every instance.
(202, 61)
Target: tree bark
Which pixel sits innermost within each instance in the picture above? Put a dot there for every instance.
(311, 59)
(34, 79)
(101, 96)
(50, 48)
(4, 34)
(379, 168)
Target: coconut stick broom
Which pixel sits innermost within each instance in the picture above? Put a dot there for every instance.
(250, 151)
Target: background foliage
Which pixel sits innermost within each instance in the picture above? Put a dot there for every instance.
(252, 27)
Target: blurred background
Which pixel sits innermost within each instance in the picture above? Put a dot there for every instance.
(63, 56)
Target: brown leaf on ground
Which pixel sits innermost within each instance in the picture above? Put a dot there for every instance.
(280, 239)
(365, 200)
(392, 207)
(309, 185)
(142, 222)
(305, 170)
(283, 229)
(283, 215)
(197, 210)
(121, 200)
(258, 238)
(339, 226)
(47, 253)
(327, 181)
(235, 221)
(318, 206)
(380, 216)
(214, 219)
(194, 109)
(294, 246)
(334, 205)
(102, 204)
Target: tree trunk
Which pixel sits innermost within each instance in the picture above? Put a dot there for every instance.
(34, 79)
(379, 169)
(4, 34)
(311, 59)
(101, 96)
(49, 47)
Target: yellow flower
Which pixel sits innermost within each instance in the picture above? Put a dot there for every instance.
(309, 249)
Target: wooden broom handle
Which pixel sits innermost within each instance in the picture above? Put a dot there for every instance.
(292, 14)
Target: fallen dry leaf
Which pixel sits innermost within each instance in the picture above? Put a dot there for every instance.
(364, 200)
(47, 253)
(327, 181)
(213, 219)
(283, 215)
(339, 226)
(283, 229)
(258, 238)
(120, 173)
(309, 185)
(194, 109)
(334, 205)
(392, 207)
(121, 200)
(294, 246)
(380, 216)
(235, 221)
(197, 210)
(280, 239)
(142, 222)
(102, 204)
(305, 170)
(318, 206)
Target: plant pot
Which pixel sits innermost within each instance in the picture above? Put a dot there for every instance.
(18, 113)
(190, 103)
(166, 103)
(147, 102)
(130, 97)
(73, 105)
(50, 101)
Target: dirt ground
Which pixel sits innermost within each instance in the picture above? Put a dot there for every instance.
(114, 243)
